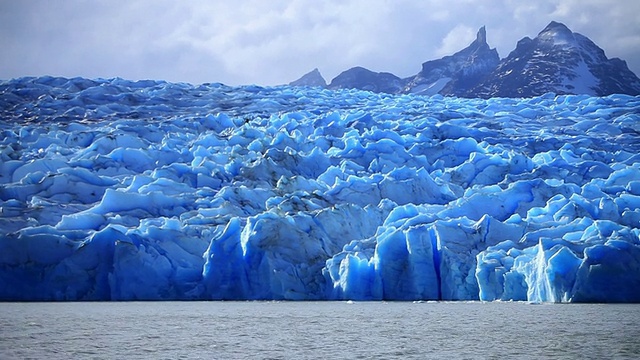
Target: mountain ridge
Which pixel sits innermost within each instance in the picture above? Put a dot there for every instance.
(557, 60)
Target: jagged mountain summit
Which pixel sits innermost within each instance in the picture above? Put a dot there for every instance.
(457, 73)
(312, 78)
(557, 61)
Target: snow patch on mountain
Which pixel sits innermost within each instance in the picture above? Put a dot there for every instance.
(431, 89)
(580, 81)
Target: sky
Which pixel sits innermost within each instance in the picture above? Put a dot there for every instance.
(272, 42)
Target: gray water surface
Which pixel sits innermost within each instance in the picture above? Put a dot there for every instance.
(316, 330)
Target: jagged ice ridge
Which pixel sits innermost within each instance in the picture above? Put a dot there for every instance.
(121, 190)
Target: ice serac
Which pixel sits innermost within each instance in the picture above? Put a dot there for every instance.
(558, 61)
(312, 78)
(458, 73)
(146, 190)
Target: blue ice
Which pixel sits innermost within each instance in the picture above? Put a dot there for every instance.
(119, 190)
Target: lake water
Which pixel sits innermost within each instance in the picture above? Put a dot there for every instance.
(315, 330)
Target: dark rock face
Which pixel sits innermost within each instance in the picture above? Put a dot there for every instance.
(556, 61)
(363, 79)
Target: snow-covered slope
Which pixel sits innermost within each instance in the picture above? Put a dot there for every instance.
(120, 190)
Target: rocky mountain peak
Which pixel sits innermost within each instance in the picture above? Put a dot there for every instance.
(481, 36)
(365, 79)
(556, 27)
(312, 78)
(557, 34)
(557, 61)
(455, 74)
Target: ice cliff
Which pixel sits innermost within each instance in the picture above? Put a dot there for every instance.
(122, 190)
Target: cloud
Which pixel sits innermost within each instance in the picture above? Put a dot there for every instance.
(274, 42)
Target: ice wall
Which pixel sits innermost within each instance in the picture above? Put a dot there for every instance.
(120, 190)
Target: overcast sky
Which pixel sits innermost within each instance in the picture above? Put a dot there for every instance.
(270, 42)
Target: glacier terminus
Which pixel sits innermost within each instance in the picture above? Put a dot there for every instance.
(148, 190)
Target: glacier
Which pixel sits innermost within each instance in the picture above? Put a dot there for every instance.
(113, 189)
